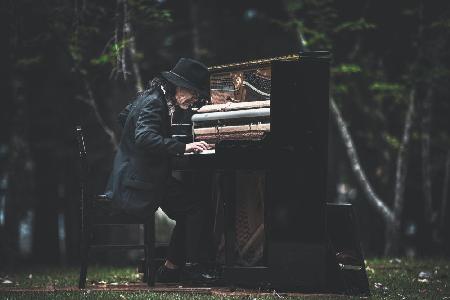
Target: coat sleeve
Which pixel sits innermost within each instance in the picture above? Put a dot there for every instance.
(123, 115)
(148, 134)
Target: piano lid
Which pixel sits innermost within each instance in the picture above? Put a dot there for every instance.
(251, 64)
(265, 61)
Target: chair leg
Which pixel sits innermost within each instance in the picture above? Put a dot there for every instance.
(150, 246)
(84, 253)
(146, 260)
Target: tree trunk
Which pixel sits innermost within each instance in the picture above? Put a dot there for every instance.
(193, 10)
(20, 168)
(426, 172)
(445, 193)
(392, 246)
(392, 238)
(430, 227)
(45, 235)
(364, 183)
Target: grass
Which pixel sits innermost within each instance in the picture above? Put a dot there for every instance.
(388, 279)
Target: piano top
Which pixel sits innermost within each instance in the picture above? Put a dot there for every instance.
(266, 61)
(252, 63)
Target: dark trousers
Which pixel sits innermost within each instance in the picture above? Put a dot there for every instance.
(180, 205)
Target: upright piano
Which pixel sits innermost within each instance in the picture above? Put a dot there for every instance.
(271, 115)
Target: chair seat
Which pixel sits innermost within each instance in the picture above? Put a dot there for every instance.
(105, 213)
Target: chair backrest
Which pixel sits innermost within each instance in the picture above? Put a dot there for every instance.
(86, 199)
(82, 149)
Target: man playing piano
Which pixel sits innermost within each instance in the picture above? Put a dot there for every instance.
(141, 179)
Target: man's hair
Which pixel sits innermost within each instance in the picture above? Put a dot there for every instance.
(163, 84)
(167, 88)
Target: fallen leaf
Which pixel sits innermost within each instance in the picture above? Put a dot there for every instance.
(401, 296)
(378, 285)
(425, 275)
(274, 293)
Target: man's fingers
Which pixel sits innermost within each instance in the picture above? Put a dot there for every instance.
(208, 146)
(202, 145)
(198, 148)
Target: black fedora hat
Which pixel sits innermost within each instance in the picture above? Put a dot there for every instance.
(190, 74)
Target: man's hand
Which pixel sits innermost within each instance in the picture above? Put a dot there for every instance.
(197, 147)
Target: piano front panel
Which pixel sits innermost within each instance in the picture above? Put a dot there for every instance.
(299, 137)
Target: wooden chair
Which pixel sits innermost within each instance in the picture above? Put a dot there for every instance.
(96, 210)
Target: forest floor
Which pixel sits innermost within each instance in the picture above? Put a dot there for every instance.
(388, 279)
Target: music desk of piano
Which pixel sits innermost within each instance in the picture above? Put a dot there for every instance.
(290, 148)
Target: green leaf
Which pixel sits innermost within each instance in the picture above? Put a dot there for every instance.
(340, 89)
(392, 141)
(386, 87)
(358, 25)
(347, 69)
(29, 61)
(441, 24)
(293, 6)
(101, 60)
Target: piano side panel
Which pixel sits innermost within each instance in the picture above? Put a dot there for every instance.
(299, 130)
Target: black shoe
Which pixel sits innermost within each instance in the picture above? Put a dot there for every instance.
(198, 274)
(166, 275)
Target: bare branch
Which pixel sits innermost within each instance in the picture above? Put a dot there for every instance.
(303, 45)
(129, 35)
(93, 104)
(360, 34)
(124, 37)
(90, 100)
(116, 38)
(380, 206)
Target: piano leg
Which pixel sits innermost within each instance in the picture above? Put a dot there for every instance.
(229, 191)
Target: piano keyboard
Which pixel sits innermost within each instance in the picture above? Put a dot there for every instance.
(204, 152)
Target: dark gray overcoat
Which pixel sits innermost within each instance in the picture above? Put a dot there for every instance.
(141, 168)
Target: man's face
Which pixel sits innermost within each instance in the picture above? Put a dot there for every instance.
(185, 97)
